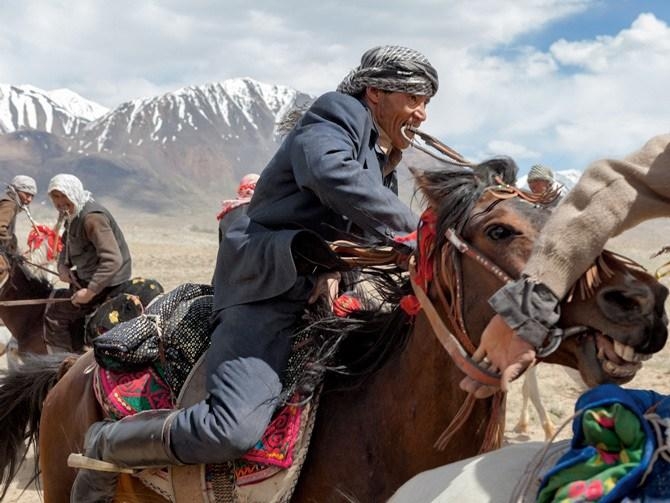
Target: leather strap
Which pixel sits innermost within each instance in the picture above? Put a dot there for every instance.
(466, 249)
(448, 340)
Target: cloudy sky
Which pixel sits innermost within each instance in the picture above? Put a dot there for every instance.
(560, 82)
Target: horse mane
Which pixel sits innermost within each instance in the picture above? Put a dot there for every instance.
(37, 286)
(453, 192)
(357, 346)
(40, 287)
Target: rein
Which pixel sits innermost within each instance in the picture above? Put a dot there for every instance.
(31, 302)
(452, 344)
(38, 266)
(9, 258)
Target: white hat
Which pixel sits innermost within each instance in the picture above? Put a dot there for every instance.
(23, 183)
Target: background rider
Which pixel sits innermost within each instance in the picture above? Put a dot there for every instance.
(95, 261)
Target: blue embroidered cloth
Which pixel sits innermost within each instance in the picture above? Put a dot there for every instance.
(585, 447)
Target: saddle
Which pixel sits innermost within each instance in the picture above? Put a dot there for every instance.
(136, 294)
(148, 361)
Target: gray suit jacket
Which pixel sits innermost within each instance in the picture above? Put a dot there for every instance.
(324, 180)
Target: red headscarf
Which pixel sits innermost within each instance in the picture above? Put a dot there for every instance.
(244, 192)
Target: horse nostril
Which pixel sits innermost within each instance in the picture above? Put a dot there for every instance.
(627, 302)
(627, 305)
(655, 343)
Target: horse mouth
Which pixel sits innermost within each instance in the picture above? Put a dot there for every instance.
(617, 360)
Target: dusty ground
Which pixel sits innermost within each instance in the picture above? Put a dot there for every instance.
(181, 249)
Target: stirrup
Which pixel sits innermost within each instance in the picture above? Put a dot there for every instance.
(76, 460)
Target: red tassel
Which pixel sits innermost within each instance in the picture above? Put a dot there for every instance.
(410, 304)
(408, 237)
(345, 304)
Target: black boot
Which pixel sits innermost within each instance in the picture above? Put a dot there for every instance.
(138, 441)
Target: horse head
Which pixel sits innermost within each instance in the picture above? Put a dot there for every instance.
(615, 313)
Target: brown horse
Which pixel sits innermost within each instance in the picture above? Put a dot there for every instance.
(371, 437)
(24, 322)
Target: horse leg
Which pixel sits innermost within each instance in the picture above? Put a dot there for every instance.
(534, 393)
(522, 425)
(69, 409)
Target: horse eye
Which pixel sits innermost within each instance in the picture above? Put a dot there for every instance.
(499, 232)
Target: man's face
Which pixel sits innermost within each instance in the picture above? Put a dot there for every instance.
(538, 186)
(25, 198)
(393, 110)
(61, 202)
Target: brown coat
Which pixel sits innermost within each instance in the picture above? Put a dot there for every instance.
(8, 211)
(95, 245)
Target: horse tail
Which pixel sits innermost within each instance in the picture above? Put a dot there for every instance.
(22, 393)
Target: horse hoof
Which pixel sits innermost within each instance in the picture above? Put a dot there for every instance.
(521, 428)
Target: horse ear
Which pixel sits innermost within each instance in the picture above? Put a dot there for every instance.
(423, 185)
(502, 167)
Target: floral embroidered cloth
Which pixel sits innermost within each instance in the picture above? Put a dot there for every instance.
(619, 436)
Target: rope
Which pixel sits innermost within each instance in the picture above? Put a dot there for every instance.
(539, 461)
(658, 423)
(453, 157)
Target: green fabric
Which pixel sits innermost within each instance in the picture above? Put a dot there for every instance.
(616, 434)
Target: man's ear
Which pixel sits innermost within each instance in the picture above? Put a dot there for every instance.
(373, 95)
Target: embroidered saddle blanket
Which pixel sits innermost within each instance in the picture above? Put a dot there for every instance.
(149, 361)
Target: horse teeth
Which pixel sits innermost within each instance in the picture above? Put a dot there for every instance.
(626, 370)
(626, 352)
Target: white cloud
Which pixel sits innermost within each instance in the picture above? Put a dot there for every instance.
(576, 100)
(647, 38)
(517, 152)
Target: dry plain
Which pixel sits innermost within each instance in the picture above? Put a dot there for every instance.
(182, 248)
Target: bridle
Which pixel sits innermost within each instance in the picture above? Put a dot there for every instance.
(5, 270)
(447, 288)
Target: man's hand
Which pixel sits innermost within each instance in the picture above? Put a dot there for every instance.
(82, 296)
(505, 351)
(327, 285)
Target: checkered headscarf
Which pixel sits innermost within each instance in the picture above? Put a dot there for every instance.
(392, 68)
(540, 172)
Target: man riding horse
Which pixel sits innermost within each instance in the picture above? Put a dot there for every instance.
(334, 174)
(610, 197)
(19, 195)
(95, 261)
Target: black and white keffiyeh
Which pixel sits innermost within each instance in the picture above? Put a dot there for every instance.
(392, 68)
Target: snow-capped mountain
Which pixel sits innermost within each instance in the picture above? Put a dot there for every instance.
(207, 133)
(76, 105)
(191, 145)
(62, 112)
(182, 149)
